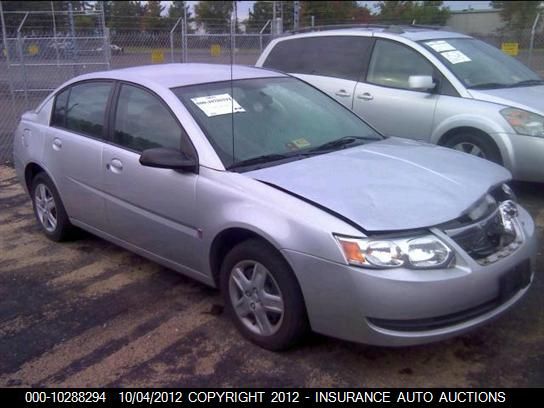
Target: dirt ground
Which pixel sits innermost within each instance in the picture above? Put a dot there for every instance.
(88, 313)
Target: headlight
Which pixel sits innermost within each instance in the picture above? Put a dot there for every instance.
(523, 122)
(422, 252)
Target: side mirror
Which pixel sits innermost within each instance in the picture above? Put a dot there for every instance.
(421, 82)
(163, 158)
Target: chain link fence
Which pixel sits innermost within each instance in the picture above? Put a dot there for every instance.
(37, 59)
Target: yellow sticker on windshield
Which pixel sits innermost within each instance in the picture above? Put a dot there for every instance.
(301, 143)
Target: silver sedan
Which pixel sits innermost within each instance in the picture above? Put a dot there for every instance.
(305, 217)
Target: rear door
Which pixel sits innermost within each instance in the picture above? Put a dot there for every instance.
(333, 64)
(384, 98)
(150, 208)
(73, 148)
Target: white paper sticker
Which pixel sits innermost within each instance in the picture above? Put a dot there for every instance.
(440, 46)
(215, 105)
(455, 57)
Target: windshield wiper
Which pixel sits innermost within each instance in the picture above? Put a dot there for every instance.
(261, 159)
(529, 82)
(490, 85)
(343, 141)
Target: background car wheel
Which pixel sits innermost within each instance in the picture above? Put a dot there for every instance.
(477, 144)
(49, 210)
(262, 296)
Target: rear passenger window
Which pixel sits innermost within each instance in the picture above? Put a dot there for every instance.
(335, 56)
(392, 64)
(82, 108)
(143, 122)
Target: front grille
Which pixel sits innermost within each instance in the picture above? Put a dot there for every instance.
(510, 284)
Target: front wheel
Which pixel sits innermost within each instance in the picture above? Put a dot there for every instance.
(262, 296)
(476, 144)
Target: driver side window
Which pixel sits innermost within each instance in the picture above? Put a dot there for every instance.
(392, 64)
(143, 122)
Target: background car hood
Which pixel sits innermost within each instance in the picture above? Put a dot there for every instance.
(394, 184)
(529, 98)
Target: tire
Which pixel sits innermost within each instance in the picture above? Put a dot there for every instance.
(478, 144)
(43, 191)
(275, 288)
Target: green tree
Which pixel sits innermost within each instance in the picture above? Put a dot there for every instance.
(329, 12)
(125, 15)
(214, 16)
(176, 10)
(518, 15)
(408, 12)
(152, 20)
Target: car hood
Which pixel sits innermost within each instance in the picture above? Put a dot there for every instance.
(529, 98)
(394, 184)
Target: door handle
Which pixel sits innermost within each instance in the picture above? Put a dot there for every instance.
(343, 93)
(366, 96)
(57, 144)
(115, 165)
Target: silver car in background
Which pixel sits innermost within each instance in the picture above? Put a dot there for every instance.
(425, 84)
(255, 182)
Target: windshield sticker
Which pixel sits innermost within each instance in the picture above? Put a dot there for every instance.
(455, 57)
(300, 143)
(215, 105)
(440, 46)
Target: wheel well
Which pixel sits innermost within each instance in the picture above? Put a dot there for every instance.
(446, 137)
(224, 242)
(31, 171)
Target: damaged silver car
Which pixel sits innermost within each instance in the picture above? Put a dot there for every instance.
(303, 215)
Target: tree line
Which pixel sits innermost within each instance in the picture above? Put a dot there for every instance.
(215, 16)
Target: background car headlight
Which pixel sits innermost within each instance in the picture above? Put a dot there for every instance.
(422, 252)
(523, 122)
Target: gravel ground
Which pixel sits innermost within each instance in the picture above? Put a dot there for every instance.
(88, 313)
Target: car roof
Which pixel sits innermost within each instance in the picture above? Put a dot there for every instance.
(176, 74)
(412, 33)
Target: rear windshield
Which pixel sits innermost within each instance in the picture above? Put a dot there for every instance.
(479, 65)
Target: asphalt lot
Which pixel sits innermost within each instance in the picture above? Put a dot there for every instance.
(88, 313)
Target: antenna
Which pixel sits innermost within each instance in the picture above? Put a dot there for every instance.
(233, 18)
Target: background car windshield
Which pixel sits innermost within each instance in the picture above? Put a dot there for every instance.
(272, 116)
(478, 64)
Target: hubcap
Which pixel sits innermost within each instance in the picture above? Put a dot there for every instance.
(256, 298)
(45, 207)
(469, 148)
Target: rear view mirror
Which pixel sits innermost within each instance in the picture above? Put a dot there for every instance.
(163, 158)
(421, 82)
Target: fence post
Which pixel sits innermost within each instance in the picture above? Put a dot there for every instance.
(20, 49)
(532, 40)
(172, 40)
(261, 34)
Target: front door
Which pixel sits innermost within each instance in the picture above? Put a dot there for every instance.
(385, 99)
(150, 208)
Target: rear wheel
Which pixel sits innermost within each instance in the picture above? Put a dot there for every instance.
(262, 296)
(48, 209)
(477, 144)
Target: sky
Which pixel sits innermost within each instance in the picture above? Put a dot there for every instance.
(245, 6)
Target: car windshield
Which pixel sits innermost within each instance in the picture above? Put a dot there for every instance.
(274, 119)
(479, 65)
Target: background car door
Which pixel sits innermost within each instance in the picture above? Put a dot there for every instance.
(386, 101)
(333, 64)
(73, 150)
(151, 208)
